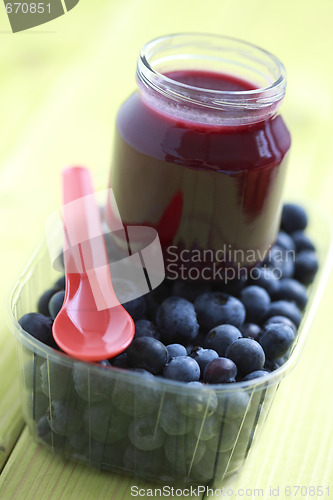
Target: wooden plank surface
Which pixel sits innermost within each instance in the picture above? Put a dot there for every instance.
(60, 90)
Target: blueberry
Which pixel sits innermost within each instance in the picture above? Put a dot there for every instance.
(189, 290)
(136, 308)
(293, 218)
(183, 451)
(281, 319)
(210, 466)
(79, 441)
(154, 298)
(250, 330)
(145, 328)
(219, 371)
(217, 308)
(60, 284)
(43, 302)
(198, 401)
(228, 439)
(281, 261)
(105, 423)
(92, 385)
(172, 420)
(39, 326)
(208, 428)
(63, 418)
(256, 301)
(285, 308)
(255, 374)
(182, 368)
(203, 357)
(265, 278)
(176, 321)
(56, 303)
(292, 290)
(120, 361)
(147, 353)
(306, 266)
(175, 350)
(247, 354)
(276, 339)
(221, 337)
(302, 241)
(145, 435)
(284, 240)
(272, 365)
(57, 381)
(233, 406)
(137, 398)
(45, 433)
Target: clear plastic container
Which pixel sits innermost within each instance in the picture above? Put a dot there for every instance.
(155, 428)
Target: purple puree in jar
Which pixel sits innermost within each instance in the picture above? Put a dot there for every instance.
(201, 184)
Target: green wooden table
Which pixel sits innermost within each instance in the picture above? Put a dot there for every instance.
(60, 87)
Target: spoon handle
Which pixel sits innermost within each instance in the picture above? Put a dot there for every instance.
(85, 250)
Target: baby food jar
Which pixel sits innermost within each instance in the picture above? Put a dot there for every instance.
(200, 152)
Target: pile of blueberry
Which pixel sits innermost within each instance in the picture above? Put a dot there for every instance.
(213, 332)
(196, 334)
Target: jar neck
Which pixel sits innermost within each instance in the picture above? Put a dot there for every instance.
(215, 54)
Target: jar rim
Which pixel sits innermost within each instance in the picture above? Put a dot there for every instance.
(221, 47)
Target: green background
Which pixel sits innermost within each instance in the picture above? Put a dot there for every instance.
(60, 87)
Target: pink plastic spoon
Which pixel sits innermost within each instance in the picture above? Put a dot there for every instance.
(92, 325)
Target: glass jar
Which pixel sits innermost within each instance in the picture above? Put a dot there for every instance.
(200, 152)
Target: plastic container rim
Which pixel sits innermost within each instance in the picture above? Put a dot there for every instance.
(263, 96)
